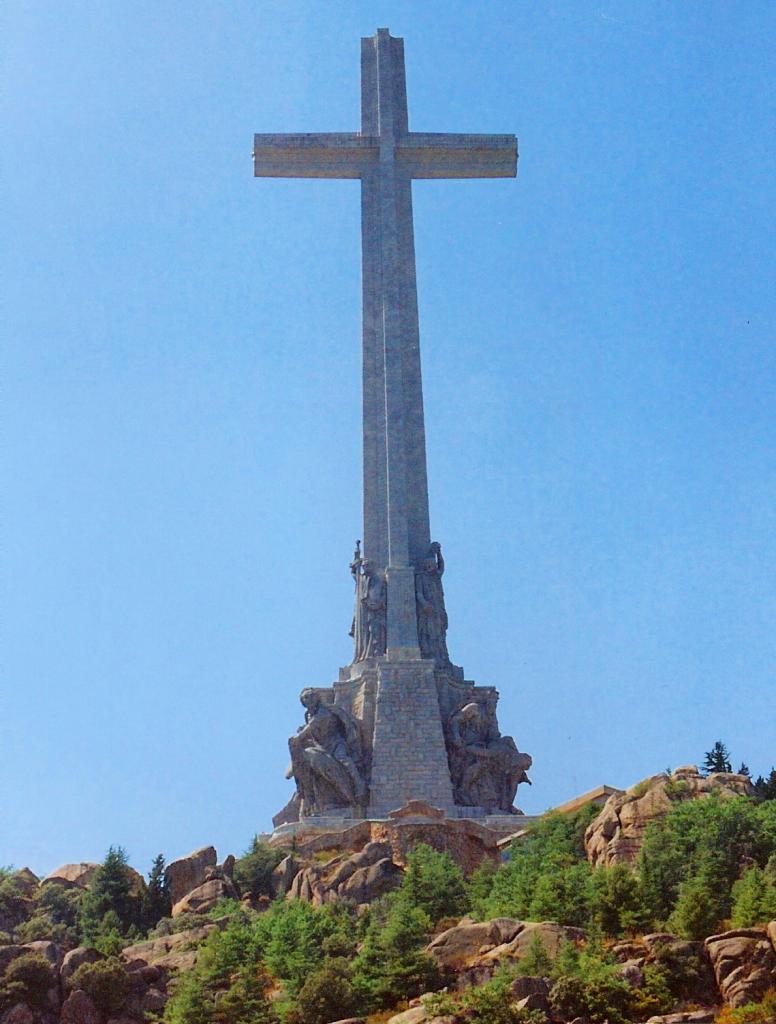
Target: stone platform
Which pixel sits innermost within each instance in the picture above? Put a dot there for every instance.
(467, 839)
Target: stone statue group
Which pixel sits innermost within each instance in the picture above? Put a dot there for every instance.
(330, 753)
(368, 629)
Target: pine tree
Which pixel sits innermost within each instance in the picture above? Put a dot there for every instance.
(744, 770)
(156, 899)
(765, 788)
(754, 898)
(112, 889)
(717, 759)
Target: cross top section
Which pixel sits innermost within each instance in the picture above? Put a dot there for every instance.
(385, 155)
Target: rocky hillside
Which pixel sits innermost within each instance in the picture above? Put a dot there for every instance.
(660, 906)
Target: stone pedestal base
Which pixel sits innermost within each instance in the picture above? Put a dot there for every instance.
(409, 757)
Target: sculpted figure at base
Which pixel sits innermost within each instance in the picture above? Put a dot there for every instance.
(327, 758)
(368, 629)
(486, 767)
(430, 607)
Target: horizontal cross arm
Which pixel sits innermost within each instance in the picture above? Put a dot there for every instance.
(313, 155)
(444, 155)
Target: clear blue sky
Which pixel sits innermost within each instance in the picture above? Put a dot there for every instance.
(181, 375)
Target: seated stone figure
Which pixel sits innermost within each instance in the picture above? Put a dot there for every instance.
(486, 767)
(327, 758)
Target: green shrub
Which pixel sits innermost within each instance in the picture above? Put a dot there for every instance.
(547, 876)
(326, 995)
(434, 884)
(491, 1003)
(106, 982)
(753, 1013)
(253, 871)
(29, 979)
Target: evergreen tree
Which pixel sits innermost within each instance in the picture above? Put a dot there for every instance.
(392, 964)
(326, 995)
(717, 759)
(698, 910)
(754, 897)
(744, 770)
(433, 883)
(113, 889)
(156, 899)
(618, 902)
(765, 788)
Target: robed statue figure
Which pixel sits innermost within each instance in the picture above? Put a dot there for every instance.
(368, 628)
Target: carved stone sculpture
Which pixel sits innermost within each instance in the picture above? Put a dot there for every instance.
(486, 767)
(430, 607)
(327, 758)
(368, 629)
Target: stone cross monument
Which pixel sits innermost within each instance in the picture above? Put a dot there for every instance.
(401, 723)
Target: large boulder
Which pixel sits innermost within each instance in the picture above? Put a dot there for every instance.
(75, 958)
(188, 873)
(78, 1008)
(460, 945)
(176, 952)
(284, 874)
(473, 950)
(73, 875)
(617, 834)
(744, 963)
(359, 877)
(369, 883)
(81, 875)
(415, 1015)
(205, 897)
(19, 1014)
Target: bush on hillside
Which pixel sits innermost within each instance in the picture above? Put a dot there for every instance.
(106, 982)
(253, 871)
(28, 979)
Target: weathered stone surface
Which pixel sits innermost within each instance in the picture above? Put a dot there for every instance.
(153, 1001)
(79, 874)
(48, 950)
(187, 873)
(467, 941)
(73, 960)
(535, 1001)
(616, 835)
(744, 963)
(284, 874)
(369, 883)
(415, 1015)
(79, 1009)
(529, 986)
(686, 1017)
(19, 1014)
(477, 948)
(361, 877)
(205, 897)
(170, 952)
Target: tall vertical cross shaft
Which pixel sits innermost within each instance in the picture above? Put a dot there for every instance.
(386, 156)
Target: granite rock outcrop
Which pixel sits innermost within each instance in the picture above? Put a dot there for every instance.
(617, 833)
